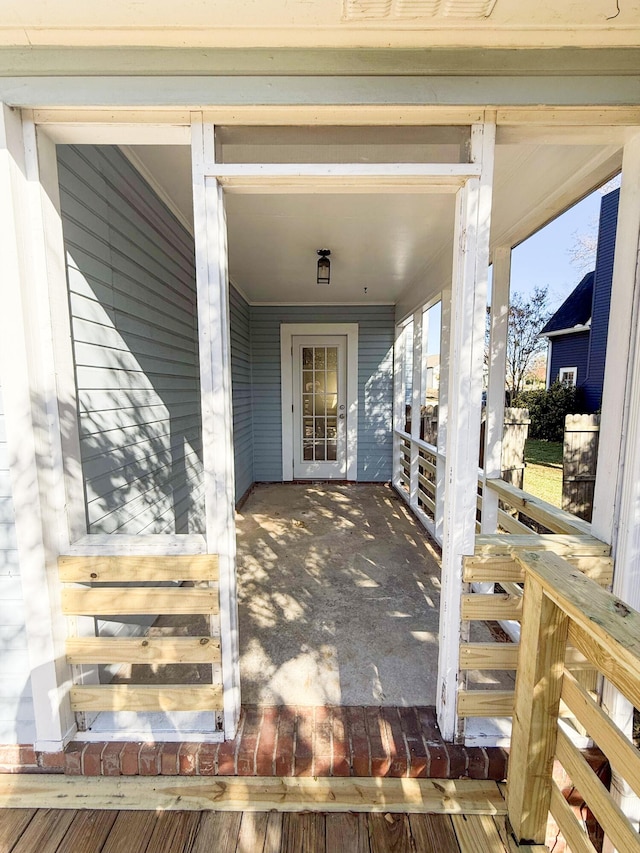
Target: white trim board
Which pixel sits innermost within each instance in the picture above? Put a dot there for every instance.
(287, 332)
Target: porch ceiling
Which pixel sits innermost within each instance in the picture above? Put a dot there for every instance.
(315, 23)
(398, 246)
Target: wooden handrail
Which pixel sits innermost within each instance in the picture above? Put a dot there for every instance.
(561, 604)
(552, 517)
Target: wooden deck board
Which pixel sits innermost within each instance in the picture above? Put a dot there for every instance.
(347, 832)
(88, 831)
(433, 833)
(13, 823)
(104, 831)
(476, 832)
(44, 832)
(174, 832)
(253, 793)
(253, 832)
(131, 831)
(218, 831)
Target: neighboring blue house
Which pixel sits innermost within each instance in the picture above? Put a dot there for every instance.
(577, 332)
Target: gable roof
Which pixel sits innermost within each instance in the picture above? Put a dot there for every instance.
(575, 310)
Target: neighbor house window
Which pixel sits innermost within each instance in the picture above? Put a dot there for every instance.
(568, 375)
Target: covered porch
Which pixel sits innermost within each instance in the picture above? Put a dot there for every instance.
(171, 392)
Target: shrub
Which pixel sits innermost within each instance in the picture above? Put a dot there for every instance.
(548, 409)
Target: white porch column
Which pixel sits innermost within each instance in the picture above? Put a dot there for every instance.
(443, 409)
(468, 307)
(417, 398)
(618, 365)
(495, 391)
(616, 512)
(31, 422)
(212, 284)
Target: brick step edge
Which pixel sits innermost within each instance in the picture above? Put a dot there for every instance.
(275, 740)
(447, 761)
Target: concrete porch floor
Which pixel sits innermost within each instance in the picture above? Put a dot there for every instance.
(339, 594)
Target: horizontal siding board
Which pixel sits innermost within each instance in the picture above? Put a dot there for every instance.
(241, 392)
(570, 350)
(131, 281)
(375, 384)
(602, 282)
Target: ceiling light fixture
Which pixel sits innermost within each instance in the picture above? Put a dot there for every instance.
(324, 266)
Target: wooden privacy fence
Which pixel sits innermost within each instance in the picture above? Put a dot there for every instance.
(562, 606)
(118, 587)
(579, 460)
(514, 437)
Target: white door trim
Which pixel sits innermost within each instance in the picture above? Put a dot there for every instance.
(287, 332)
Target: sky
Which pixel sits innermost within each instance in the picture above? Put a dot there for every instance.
(544, 259)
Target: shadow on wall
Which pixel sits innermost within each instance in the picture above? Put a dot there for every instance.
(140, 433)
(377, 420)
(131, 280)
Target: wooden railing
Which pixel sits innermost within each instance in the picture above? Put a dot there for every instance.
(495, 562)
(417, 477)
(561, 606)
(130, 586)
(521, 512)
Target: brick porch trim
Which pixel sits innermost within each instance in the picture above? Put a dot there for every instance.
(303, 741)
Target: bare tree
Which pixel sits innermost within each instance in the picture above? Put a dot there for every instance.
(582, 254)
(527, 316)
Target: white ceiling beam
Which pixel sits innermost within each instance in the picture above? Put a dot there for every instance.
(112, 133)
(342, 177)
(537, 120)
(519, 134)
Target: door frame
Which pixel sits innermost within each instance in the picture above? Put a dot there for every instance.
(287, 333)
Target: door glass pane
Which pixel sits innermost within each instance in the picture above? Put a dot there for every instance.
(307, 381)
(319, 403)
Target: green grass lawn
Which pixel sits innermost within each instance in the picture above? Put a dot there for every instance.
(543, 472)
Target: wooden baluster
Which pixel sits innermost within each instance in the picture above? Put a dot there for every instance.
(533, 738)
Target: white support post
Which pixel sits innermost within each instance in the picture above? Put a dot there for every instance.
(443, 410)
(215, 383)
(416, 402)
(468, 307)
(495, 390)
(616, 518)
(398, 401)
(65, 491)
(626, 579)
(614, 395)
(30, 416)
(43, 167)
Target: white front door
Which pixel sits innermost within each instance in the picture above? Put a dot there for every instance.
(319, 407)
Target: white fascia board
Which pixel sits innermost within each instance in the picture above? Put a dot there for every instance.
(586, 327)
